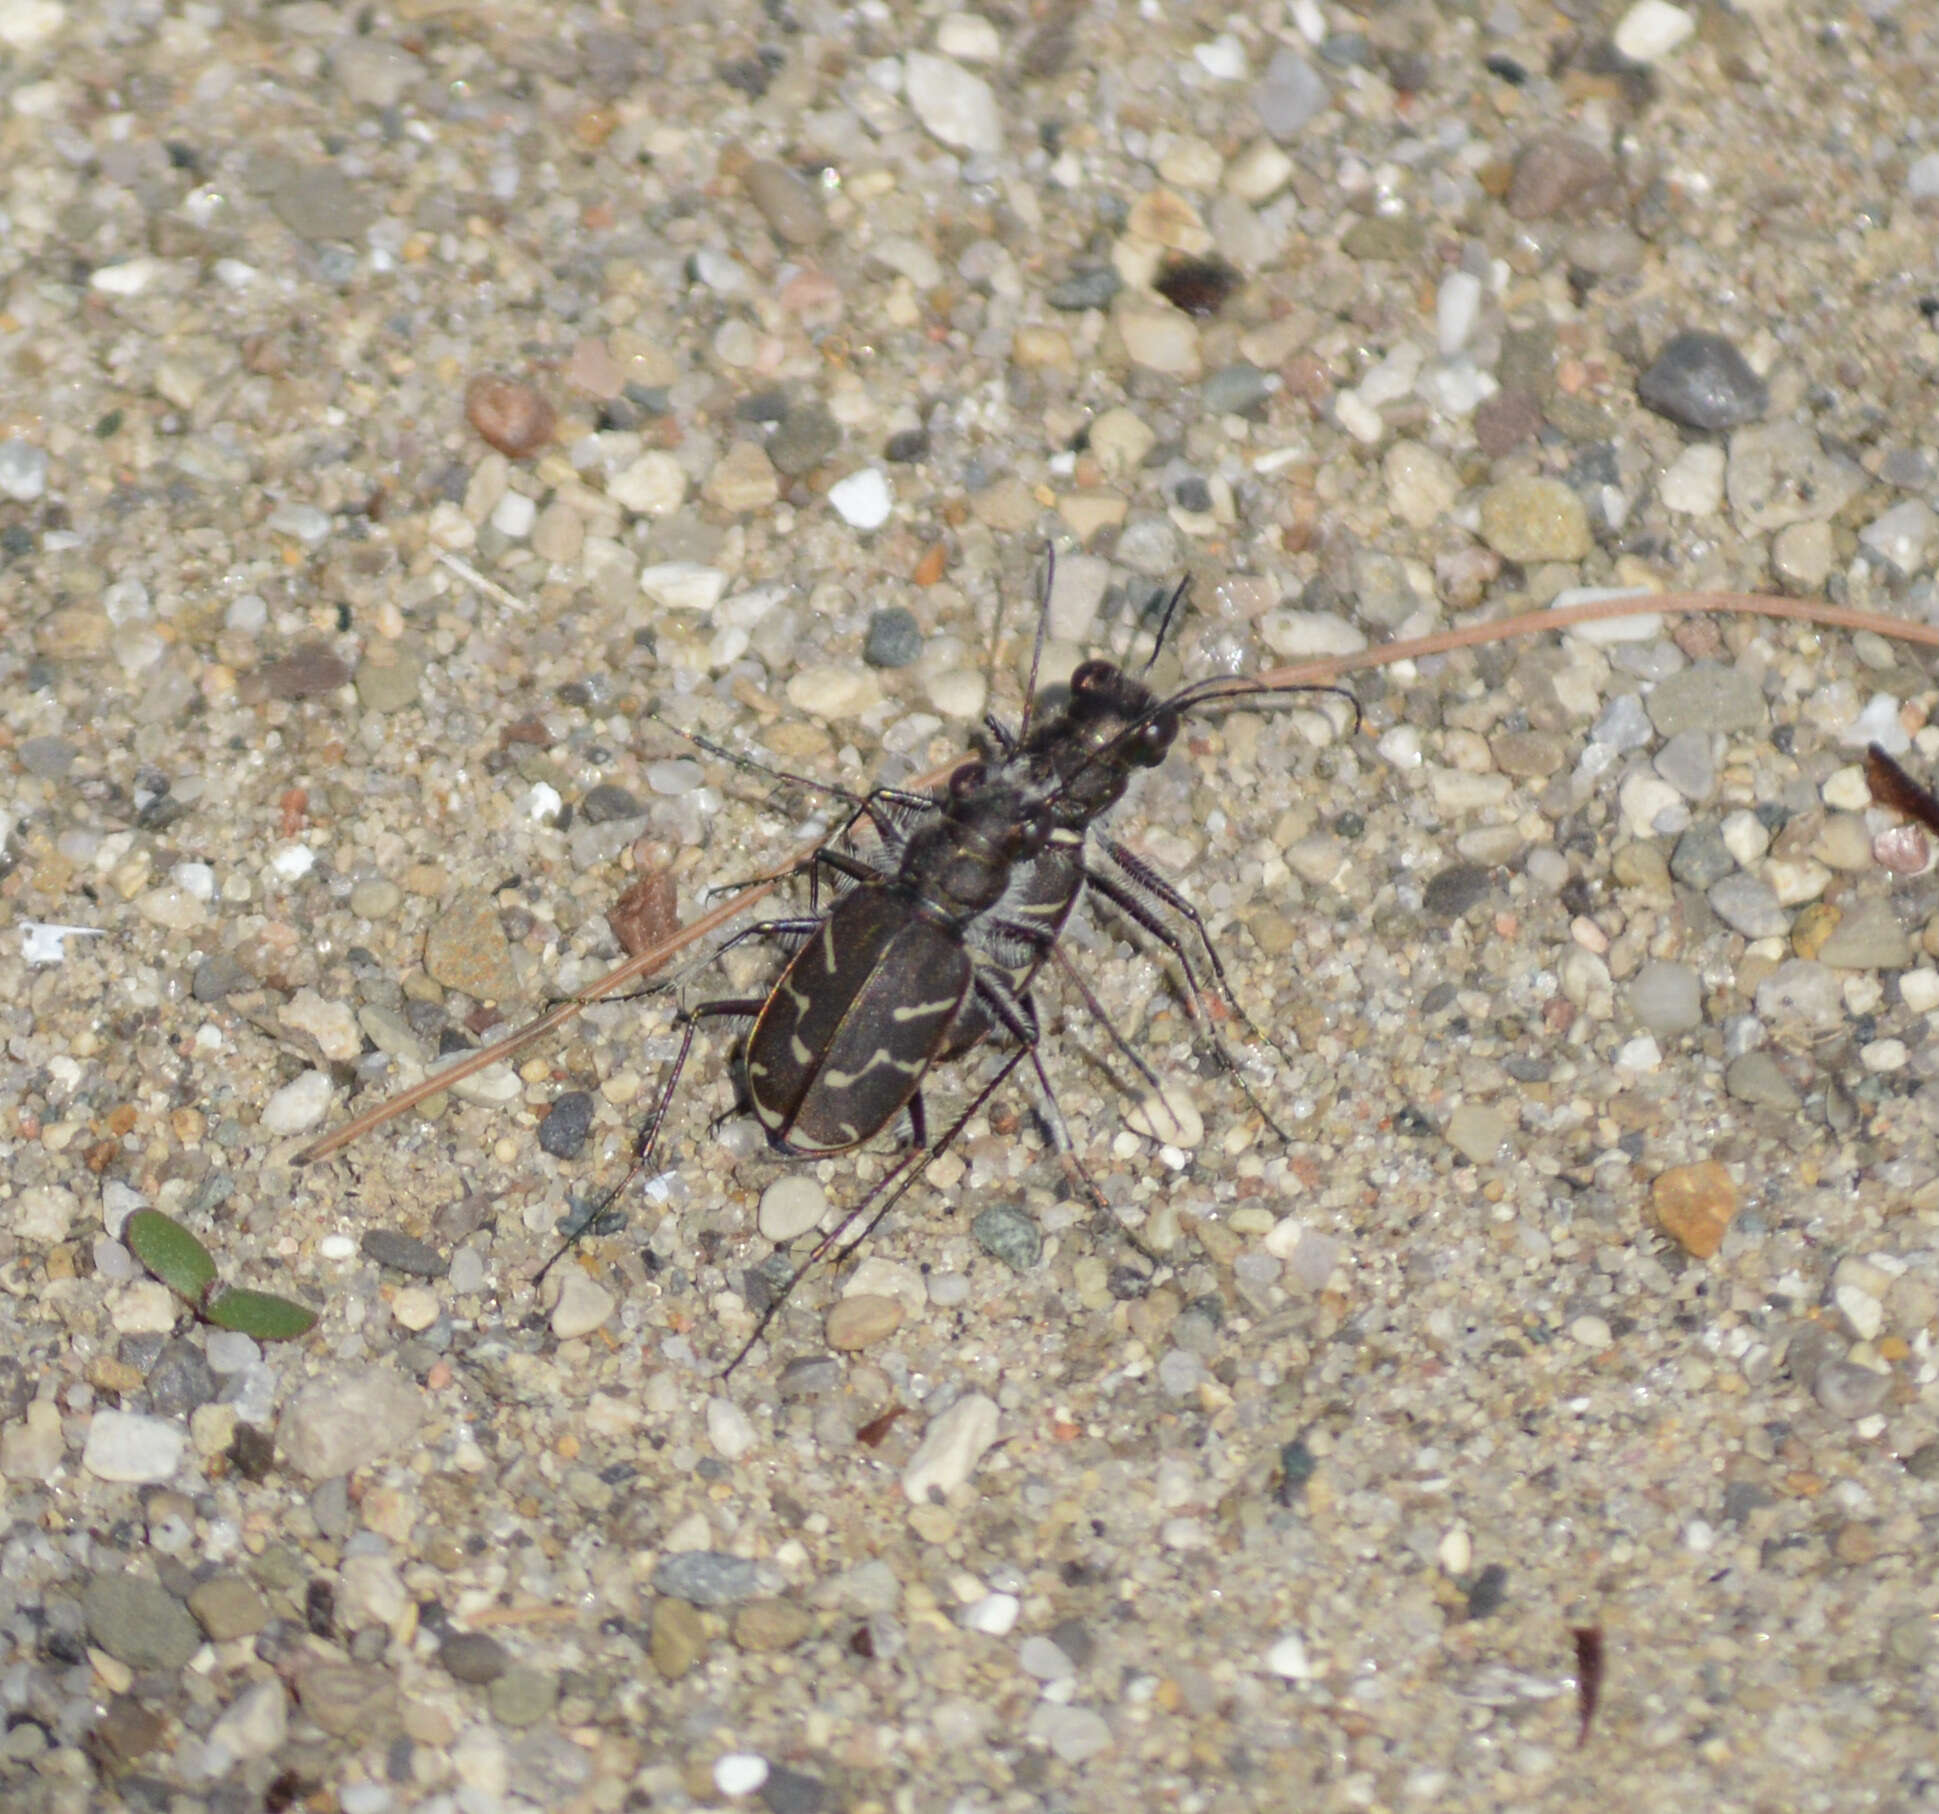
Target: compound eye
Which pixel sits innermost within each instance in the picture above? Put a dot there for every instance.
(1153, 743)
(1092, 677)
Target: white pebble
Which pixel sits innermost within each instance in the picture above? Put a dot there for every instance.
(1651, 29)
(950, 1449)
(683, 585)
(292, 862)
(1591, 1332)
(654, 485)
(298, 1105)
(728, 1429)
(1400, 747)
(1222, 58)
(790, 1206)
(1693, 483)
(1456, 1551)
(42, 944)
(1288, 1659)
(954, 106)
(1919, 990)
(1883, 1055)
(134, 1448)
(514, 516)
(1878, 723)
(1745, 837)
(1457, 306)
(1640, 1054)
(583, 1304)
(129, 278)
(1699, 1535)
(969, 37)
(1861, 1310)
(864, 499)
(831, 691)
(739, 1773)
(543, 803)
(197, 880)
(995, 1615)
(1168, 1115)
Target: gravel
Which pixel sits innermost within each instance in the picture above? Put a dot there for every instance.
(1590, 1273)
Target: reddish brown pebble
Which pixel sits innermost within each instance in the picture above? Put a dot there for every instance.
(933, 565)
(858, 1321)
(646, 913)
(511, 417)
(1694, 1204)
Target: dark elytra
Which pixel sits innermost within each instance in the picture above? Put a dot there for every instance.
(868, 1003)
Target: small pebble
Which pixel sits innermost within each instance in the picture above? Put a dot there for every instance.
(954, 106)
(1291, 95)
(1666, 998)
(1651, 29)
(995, 1615)
(894, 638)
(707, 1577)
(1290, 1660)
(864, 499)
(1702, 381)
(791, 1206)
(1476, 1131)
(955, 1441)
(582, 1306)
(862, 1320)
(790, 206)
(1007, 1233)
(299, 1105)
(512, 417)
(740, 1773)
(134, 1448)
(1535, 519)
(728, 1429)
(565, 1125)
(1694, 1205)
(23, 471)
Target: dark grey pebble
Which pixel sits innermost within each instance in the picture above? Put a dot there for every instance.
(1923, 1462)
(1297, 1465)
(1701, 859)
(711, 1577)
(1451, 893)
(47, 758)
(472, 1656)
(906, 446)
(792, 1792)
(1488, 1591)
(402, 1253)
(1005, 1233)
(217, 976)
(1089, 289)
(16, 1389)
(1850, 1391)
(180, 1380)
(809, 1376)
(1192, 493)
(567, 1122)
(608, 801)
(770, 405)
(894, 638)
(137, 1621)
(807, 436)
(1702, 381)
(1526, 1068)
(1074, 1638)
(1237, 390)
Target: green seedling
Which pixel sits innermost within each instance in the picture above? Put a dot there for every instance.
(186, 1267)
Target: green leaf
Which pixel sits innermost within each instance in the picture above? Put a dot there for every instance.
(170, 1252)
(258, 1313)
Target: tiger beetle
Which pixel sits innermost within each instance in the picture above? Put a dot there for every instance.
(840, 1045)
